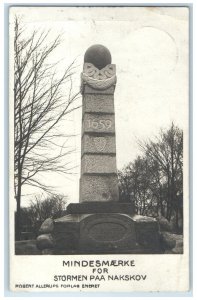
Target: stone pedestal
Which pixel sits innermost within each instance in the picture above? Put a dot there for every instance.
(99, 223)
(104, 233)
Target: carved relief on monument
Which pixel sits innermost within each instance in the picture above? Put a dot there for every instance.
(98, 144)
(108, 71)
(99, 79)
(111, 232)
(99, 124)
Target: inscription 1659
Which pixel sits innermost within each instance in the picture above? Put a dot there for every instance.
(99, 124)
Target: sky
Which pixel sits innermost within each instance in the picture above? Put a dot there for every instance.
(149, 46)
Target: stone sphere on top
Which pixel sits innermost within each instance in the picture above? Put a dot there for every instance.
(98, 55)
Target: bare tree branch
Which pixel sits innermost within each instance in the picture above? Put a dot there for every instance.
(43, 97)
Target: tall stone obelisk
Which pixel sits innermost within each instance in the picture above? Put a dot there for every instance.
(99, 180)
(99, 223)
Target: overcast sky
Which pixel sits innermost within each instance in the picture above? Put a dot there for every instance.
(150, 49)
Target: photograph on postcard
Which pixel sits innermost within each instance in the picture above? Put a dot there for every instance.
(99, 147)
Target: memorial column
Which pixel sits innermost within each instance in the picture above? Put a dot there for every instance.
(99, 180)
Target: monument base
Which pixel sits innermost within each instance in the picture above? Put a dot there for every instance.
(104, 232)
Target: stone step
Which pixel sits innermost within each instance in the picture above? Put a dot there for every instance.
(100, 207)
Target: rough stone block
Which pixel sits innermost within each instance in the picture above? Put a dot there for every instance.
(98, 123)
(107, 233)
(168, 241)
(147, 233)
(98, 103)
(164, 224)
(45, 241)
(98, 144)
(99, 188)
(47, 226)
(98, 164)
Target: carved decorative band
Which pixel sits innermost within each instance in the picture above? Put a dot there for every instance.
(99, 79)
(91, 71)
(98, 84)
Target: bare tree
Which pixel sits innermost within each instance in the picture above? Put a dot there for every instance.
(155, 180)
(42, 99)
(40, 210)
(136, 184)
(167, 152)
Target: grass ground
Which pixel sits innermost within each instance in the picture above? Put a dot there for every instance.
(27, 247)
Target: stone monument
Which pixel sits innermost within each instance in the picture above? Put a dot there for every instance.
(99, 180)
(99, 223)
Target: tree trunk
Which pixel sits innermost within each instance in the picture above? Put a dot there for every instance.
(18, 211)
(177, 219)
(18, 220)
